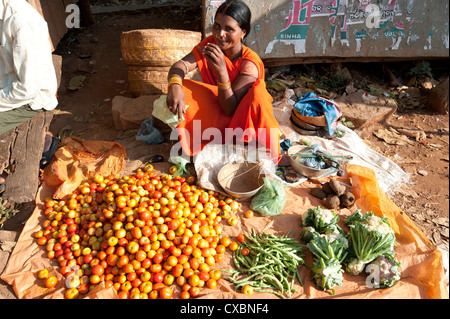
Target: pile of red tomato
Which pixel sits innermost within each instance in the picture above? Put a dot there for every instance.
(142, 234)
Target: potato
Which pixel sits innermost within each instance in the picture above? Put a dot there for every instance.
(331, 201)
(327, 188)
(337, 187)
(347, 199)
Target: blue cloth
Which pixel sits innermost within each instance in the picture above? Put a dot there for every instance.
(285, 145)
(148, 133)
(311, 105)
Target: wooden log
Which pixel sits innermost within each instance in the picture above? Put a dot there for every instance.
(22, 151)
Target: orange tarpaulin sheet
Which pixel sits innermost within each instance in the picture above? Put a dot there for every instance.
(77, 160)
(421, 263)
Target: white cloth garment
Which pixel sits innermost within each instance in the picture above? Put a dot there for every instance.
(27, 74)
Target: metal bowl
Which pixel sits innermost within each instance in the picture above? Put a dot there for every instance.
(241, 180)
(305, 170)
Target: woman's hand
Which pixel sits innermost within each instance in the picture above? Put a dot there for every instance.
(175, 100)
(216, 58)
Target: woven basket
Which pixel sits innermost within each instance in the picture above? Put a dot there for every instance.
(144, 80)
(302, 124)
(157, 47)
(149, 80)
(316, 120)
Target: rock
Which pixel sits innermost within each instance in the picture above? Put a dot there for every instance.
(344, 72)
(128, 113)
(427, 84)
(438, 97)
(73, 64)
(422, 172)
(366, 113)
(8, 235)
(350, 89)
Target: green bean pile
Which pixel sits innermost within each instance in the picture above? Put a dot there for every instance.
(271, 266)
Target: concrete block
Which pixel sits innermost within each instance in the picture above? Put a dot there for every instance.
(9, 235)
(128, 113)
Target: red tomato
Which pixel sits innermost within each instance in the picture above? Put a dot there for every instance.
(204, 275)
(158, 258)
(158, 277)
(98, 270)
(194, 292)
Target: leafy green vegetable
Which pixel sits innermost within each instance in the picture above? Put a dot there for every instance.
(322, 220)
(330, 252)
(369, 237)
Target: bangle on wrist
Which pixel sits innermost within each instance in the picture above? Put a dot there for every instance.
(175, 80)
(185, 65)
(224, 86)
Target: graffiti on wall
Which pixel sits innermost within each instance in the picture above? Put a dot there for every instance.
(368, 19)
(380, 19)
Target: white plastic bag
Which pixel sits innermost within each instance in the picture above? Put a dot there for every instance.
(162, 112)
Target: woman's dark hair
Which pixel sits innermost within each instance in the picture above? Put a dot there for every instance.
(239, 11)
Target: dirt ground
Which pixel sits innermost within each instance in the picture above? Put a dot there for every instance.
(94, 52)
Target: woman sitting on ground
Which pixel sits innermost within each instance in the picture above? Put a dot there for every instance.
(232, 104)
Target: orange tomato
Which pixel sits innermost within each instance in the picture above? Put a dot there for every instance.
(43, 274)
(225, 241)
(185, 295)
(248, 213)
(233, 246)
(71, 293)
(50, 282)
(215, 274)
(165, 293)
(211, 283)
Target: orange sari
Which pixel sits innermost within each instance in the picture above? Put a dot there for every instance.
(205, 122)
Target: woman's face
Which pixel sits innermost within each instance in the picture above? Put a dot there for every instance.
(227, 32)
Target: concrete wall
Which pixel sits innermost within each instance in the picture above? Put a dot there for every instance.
(291, 31)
